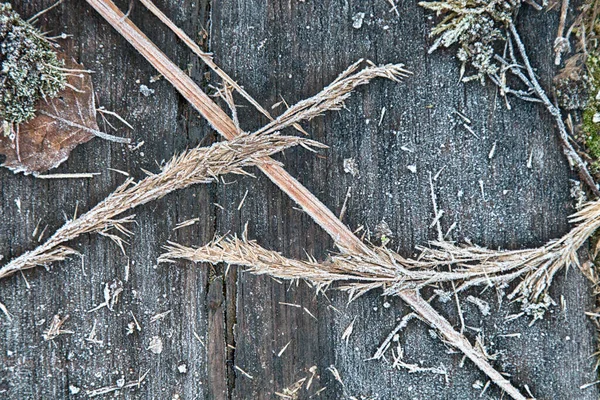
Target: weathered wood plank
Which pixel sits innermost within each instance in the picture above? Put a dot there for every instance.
(32, 368)
(290, 49)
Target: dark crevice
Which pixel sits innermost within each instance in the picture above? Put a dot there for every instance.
(228, 305)
(230, 321)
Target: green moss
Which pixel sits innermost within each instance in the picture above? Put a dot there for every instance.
(591, 129)
(29, 67)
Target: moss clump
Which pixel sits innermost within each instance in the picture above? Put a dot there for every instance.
(591, 114)
(477, 26)
(29, 68)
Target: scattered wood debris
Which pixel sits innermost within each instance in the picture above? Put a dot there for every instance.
(283, 349)
(392, 336)
(146, 91)
(120, 385)
(484, 306)
(160, 316)
(112, 291)
(291, 392)
(198, 338)
(5, 311)
(493, 150)
(133, 325)
(351, 167)
(357, 20)
(398, 362)
(290, 304)
(74, 389)
(383, 110)
(189, 222)
(83, 175)
(309, 313)
(244, 373)
(348, 331)
(394, 7)
(54, 330)
(336, 374)
(239, 207)
(92, 336)
(345, 204)
(155, 345)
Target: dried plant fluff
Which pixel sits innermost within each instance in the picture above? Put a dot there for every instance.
(383, 268)
(198, 165)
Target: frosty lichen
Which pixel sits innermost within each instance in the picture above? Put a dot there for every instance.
(30, 69)
(476, 26)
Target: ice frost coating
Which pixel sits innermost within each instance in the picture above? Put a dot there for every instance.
(30, 69)
(476, 26)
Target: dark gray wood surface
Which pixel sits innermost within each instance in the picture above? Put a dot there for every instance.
(290, 50)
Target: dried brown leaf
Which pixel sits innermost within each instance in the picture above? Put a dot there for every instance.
(58, 127)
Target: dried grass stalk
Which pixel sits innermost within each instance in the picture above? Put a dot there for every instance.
(223, 123)
(480, 266)
(340, 233)
(382, 268)
(332, 97)
(198, 165)
(207, 58)
(359, 273)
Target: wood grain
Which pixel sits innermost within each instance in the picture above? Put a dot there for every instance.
(290, 49)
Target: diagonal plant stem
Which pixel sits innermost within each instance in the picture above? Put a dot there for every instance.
(568, 149)
(208, 59)
(219, 120)
(343, 237)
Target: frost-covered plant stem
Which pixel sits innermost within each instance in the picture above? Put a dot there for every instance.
(478, 27)
(197, 165)
(574, 158)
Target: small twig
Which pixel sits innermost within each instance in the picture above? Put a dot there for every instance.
(32, 19)
(94, 132)
(126, 385)
(437, 215)
(103, 110)
(247, 375)
(84, 175)
(568, 149)
(386, 343)
(345, 204)
(186, 223)
(5, 311)
(54, 330)
(561, 43)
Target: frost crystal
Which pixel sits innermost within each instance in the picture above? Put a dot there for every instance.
(477, 26)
